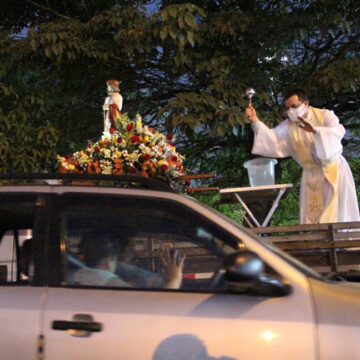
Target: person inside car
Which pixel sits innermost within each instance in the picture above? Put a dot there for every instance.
(100, 256)
(104, 266)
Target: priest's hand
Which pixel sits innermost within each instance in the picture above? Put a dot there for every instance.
(250, 114)
(305, 125)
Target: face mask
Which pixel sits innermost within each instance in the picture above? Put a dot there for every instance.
(293, 113)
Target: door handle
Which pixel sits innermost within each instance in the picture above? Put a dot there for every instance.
(82, 325)
(76, 325)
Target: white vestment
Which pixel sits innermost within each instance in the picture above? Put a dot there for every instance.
(325, 146)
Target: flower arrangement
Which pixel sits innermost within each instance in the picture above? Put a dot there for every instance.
(134, 148)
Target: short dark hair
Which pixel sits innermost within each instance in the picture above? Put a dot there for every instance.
(95, 247)
(299, 92)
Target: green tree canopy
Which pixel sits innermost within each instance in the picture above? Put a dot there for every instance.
(183, 65)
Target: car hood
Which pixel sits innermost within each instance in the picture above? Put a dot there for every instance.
(336, 303)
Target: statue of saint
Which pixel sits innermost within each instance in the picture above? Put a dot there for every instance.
(112, 107)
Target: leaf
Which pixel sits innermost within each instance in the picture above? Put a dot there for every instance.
(346, 26)
(189, 19)
(33, 44)
(336, 87)
(175, 120)
(190, 37)
(181, 21)
(164, 15)
(163, 33)
(173, 11)
(182, 39)
(172, 32)
(201, 12)
(4, 89)
(47, 52)
(55, 49)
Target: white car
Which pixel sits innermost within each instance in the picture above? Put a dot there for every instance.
(240, 298)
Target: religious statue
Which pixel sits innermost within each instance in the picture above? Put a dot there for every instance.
(127, 146)
(112, 107)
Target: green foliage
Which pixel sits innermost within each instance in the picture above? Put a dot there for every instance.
(229, 210)
(184, 68)
(27, 140)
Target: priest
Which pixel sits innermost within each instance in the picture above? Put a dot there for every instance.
(312, 137)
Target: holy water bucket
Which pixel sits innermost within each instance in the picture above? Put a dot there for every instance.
(261, 171)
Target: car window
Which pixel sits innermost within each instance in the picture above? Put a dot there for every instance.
(139, 242)
(17, 217)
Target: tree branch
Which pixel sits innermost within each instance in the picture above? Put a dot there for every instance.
(48, 9)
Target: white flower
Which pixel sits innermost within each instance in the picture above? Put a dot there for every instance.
(133, 157)
(107, 170)
(84, 158)
(107, 154)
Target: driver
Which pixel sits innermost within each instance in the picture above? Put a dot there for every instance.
(101, 252)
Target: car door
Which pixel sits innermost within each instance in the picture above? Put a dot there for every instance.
(21, 288)
(141, 318)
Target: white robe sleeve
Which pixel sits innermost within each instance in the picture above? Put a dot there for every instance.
(272, 142)
(327, 139)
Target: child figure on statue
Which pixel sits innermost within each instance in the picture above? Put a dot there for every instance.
(112, 107)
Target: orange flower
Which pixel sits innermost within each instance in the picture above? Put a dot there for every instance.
(171, 162)
(97, 167)
(148, 166)
(117, 171)
(118, 164)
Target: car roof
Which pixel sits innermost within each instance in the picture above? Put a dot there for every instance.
(98, 180)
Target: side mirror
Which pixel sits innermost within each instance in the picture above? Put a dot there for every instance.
(244, 272)
(243, 267)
